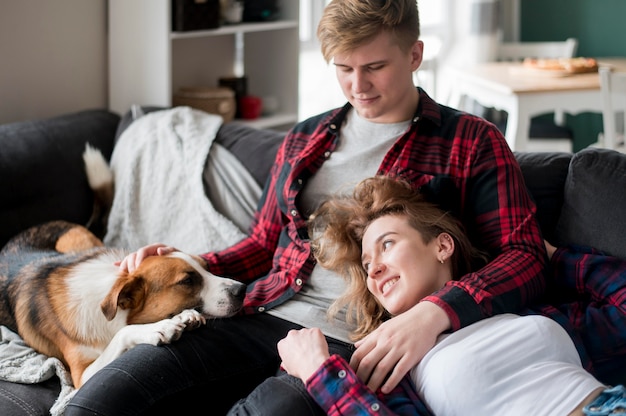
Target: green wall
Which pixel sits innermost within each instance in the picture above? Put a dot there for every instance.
(599, 26)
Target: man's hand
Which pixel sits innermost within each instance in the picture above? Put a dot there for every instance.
(132, 261)
(303, 352)
(398, 345)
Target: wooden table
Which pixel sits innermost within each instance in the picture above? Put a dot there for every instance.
(506, 86)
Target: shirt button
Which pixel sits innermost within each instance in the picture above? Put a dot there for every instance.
(342, 374)
(300, 181)
(375, 407)
(294, 213)
(327, 154)
(299, 282)
(261, 309)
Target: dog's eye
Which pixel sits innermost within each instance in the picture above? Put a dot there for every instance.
(190, 279)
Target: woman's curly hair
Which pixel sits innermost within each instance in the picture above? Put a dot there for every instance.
(337, 227)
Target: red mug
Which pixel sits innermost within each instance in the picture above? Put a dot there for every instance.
(250, 106)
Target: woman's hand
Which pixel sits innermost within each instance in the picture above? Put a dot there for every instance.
(303, 352)
(389, 352)
(131, 262)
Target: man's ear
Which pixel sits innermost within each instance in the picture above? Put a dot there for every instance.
(417, 54)
(445, 246)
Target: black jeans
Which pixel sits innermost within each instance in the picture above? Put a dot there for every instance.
(284, 394)
(28, 399)
(206, 371)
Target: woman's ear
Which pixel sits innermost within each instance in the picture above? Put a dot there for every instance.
(445, 247)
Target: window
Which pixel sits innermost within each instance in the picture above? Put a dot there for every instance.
(433, 25)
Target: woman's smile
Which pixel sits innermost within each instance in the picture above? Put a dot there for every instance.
(388, 284)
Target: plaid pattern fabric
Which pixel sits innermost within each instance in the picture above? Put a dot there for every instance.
(588, 299)
(338, 390)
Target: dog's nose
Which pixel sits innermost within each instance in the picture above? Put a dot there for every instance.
(237, 290)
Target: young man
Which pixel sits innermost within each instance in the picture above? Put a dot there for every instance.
(388, 127)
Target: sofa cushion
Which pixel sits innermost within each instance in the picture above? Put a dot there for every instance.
(255, 148)
(42, 171)
(545, 174)
(594, 208)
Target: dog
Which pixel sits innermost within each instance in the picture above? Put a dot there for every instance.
(65, 295)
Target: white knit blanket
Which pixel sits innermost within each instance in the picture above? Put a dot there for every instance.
(158, 164)
(21, 364)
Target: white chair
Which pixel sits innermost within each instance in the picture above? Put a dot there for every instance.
(518, 51)
(543, 135)
(613, 89)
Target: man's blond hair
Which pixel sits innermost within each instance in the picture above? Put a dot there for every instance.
(348, 24)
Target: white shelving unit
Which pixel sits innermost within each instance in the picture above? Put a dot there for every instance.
(148, 61)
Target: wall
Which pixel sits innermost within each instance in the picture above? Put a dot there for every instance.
(599, 27)
(598, 24)
(53, 57)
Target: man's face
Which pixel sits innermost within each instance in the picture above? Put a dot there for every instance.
(377, 79)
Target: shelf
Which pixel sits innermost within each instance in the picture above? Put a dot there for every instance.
(270, 121)
(234, 29)
(149, 63)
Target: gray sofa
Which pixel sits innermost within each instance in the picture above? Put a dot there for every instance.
(581, 198)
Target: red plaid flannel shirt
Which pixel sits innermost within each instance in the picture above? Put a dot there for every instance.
(459, 157)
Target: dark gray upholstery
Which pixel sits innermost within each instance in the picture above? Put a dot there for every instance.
(594, 207)
(42, 176)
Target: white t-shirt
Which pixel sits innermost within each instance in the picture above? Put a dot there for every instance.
(505, 365)
(359, 153)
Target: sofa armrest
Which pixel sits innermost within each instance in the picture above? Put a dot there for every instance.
(42, 172)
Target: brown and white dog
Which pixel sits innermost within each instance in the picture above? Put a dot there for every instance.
(64, 295)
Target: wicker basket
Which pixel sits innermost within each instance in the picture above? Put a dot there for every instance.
(219, 101)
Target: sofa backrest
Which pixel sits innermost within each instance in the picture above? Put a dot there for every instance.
(581, 198)
(594, 202)
(42, 175)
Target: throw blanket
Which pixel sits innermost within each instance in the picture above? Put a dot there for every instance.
(21, 364)
(158, 165)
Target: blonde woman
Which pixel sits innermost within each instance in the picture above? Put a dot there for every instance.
(395, 249)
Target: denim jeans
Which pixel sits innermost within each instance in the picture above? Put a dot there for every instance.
(611, 401)
(208, 369)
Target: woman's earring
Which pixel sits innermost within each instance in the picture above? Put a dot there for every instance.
(441, 261)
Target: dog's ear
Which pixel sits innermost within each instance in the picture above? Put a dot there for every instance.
(128, 292)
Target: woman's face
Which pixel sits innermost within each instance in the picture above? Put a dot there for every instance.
(401, 268)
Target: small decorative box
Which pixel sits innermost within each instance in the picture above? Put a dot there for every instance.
(219, 100)
(195, 15)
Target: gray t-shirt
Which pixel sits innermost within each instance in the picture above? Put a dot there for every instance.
(361, 149)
